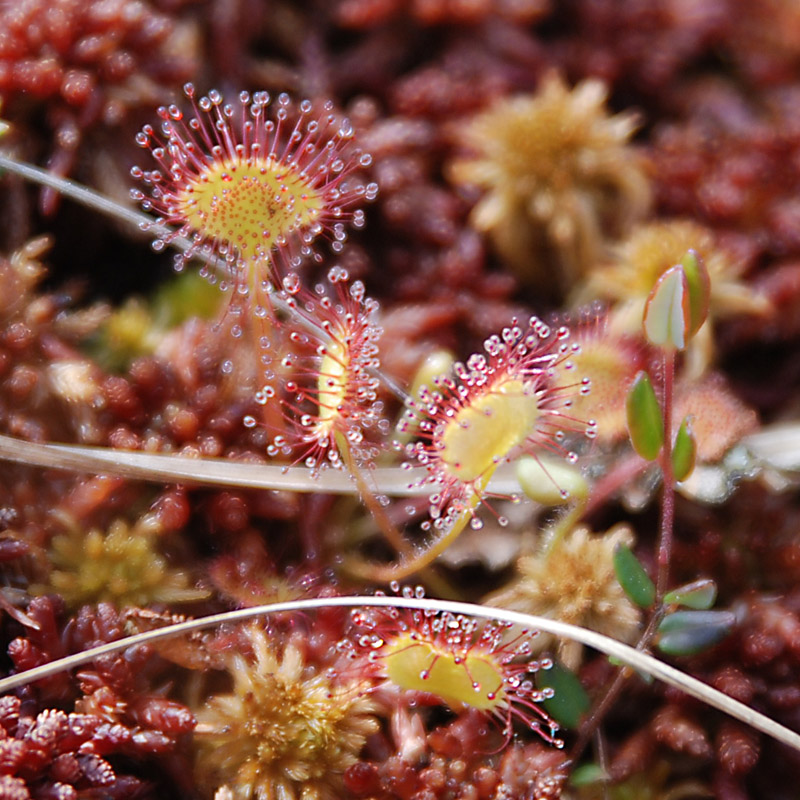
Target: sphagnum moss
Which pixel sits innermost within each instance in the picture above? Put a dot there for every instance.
(560, 179)
(121, 566)
(286, 732)
(574, 582)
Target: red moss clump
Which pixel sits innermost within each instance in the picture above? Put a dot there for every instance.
(370, 13)
(56, 754)
(734, 164)
(87, 62)
(116, 688)
(460, 761)
(63, 735)
(645, 44)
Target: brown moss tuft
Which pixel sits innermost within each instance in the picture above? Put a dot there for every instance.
(285, 731)
(559, 177)
(574, 582)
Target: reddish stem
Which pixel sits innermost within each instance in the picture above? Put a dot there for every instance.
(591, 725)
(621, 474)
(668, 475)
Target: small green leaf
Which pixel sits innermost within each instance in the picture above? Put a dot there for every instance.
(684, 451)
(632, 577)
(569, 701)
(699, 595)
(588, 774)
(667, 313)
(685, 633)
(699, 285)
(645, 424)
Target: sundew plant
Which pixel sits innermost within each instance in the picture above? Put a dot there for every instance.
(381, 423)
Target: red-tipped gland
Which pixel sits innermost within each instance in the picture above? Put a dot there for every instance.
(252, 185)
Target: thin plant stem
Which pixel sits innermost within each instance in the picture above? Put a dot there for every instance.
(83, 195)
(168, 468)
(592, 724)
(373, 504)
(625, 470)
(602, 760)
(664, 552)
(159, 467)
(425, 557)
(668, 478)
(386, 573)
(563, 525)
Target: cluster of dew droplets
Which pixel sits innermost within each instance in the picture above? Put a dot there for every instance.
(315, 151)
(207, 159)
(342, 332)
(459, 638)
(540, 358)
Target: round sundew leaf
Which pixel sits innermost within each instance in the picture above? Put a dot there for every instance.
(667, 313)
(459, 679)
(685, 633)
(485, 431)
(645, 423)
(228, 208)
(699, 595)
(632, 577)
(252, 195)
(684, 451)
(569, 701)
(549, 481)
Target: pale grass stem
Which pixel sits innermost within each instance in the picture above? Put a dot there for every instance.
(627, 655)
